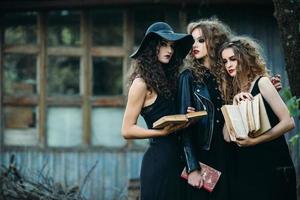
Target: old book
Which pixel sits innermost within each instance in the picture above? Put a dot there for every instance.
(236, 120)
(178, 119)
(246, 119)
(210, 176)
(260, 112)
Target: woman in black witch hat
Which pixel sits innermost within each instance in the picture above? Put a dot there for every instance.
(153, 77)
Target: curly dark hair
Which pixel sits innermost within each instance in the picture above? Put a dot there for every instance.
(161, 78)
(250, 65)
(215, 33)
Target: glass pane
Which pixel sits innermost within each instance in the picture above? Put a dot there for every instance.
(19, 74)
(64, 28)
(63, 75)
(143, 19)
(107, 76)
(20, 126)
(107, 28)
(20, 28)
(64, 126)
(106, 127)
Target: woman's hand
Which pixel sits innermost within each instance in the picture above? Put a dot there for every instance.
(172, 128)
(242, 97)
(195, 179)
(276, 81)
(190, 109)
(246, 142)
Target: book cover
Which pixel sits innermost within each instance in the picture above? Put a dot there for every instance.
(178, 119)
(211, 176)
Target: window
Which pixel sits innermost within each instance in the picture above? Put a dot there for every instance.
(64, 75)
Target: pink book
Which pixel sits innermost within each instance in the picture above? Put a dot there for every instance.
(211, 176)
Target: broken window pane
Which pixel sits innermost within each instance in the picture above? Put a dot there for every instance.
(64, 28)
(20, 74)
(63, 75)
(107, 28)
(107, 76)
(20, 126)
(20, 28)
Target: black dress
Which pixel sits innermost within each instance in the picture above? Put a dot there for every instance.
(219, 155)
(161, 165)
(265, 171)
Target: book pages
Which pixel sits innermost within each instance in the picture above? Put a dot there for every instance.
(178, 119)
(228, 124)
(238, 125)
(250, 117)
(243, 107)
(169, 119)
(255, 111)
(263, 118)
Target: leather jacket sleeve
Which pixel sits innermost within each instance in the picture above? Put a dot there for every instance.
(184, 99)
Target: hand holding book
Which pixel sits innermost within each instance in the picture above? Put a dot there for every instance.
(247, 119)
(178, 119)
(210, 176)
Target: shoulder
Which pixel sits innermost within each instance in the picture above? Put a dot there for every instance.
(138, 85)
(264, 83)
(266, 88)
(186, 74)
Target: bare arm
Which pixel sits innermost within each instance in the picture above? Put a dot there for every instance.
(136, 98)
(286, 122)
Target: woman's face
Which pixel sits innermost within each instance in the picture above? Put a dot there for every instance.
(230, 61)
(165, 51)
(199, 46)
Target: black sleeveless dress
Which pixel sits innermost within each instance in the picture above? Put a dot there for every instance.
(161, 165)
(265, 171)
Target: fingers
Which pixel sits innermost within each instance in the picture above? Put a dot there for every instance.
(195, 179)
(174, 127)
(276, 81)
(245, 142)
(278, 86)
(242, 97)
(190, 109)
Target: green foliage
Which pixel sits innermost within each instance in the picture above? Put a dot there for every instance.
(292, 103)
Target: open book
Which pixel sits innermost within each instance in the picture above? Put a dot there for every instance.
(178, 119)
(210, 176)
(248, 119)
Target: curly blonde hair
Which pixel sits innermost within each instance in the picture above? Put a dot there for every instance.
(215, 33)
(250, 65)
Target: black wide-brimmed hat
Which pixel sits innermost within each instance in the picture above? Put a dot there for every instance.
(183, 42)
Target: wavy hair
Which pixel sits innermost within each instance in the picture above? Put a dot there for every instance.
(161, 78)
(215, 33)
(250, 65)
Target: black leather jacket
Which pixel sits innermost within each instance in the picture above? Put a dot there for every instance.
(197, 136)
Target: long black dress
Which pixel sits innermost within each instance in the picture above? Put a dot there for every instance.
(219, 155)
(265, 171)
(161, 165)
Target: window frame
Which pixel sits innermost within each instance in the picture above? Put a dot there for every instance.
(85, 51)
